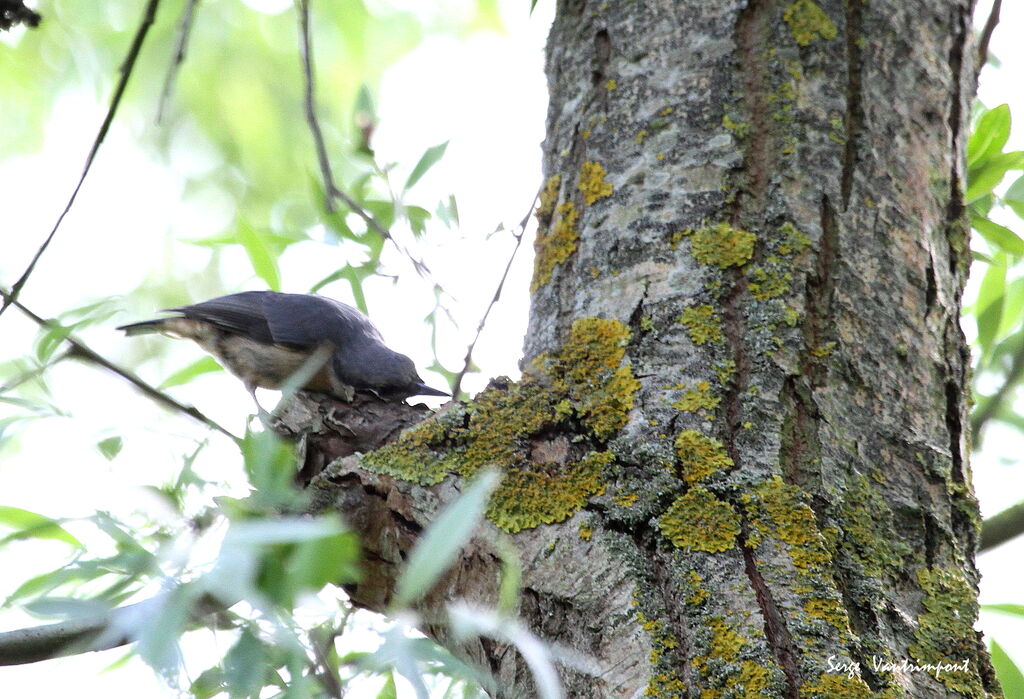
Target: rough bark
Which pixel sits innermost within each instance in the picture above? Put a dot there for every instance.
(763, 202)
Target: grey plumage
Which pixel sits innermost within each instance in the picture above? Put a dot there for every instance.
(263, 337)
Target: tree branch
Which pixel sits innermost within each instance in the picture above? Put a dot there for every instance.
(986, 37)
(127, 67)
(1002, 527)
(184, 32)
(80, 350)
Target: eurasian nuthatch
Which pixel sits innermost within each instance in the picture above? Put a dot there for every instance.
(263, 337)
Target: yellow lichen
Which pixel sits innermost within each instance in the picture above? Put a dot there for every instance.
(724, 371)
(581, 386)
(777, 509)
(722, 246)
(945, 631)
(610, 85)
(697, 398)
(548, 199)
(829, 610)
(702, 323)
(823, 350)
(740, 128)
(666, 111)
(808, 22)
(592, 182)
(700, 521)
(768, 283)
(792, 240)
(700, 456)
(556, 246)
(625, 499)
(586, 531)
(641, 135)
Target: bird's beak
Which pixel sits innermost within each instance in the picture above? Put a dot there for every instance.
(424, 390)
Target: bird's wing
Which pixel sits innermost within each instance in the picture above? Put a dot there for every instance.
(241, 314)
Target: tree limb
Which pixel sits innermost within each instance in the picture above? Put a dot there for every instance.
(1002, 527)
(184, 32)
(986, 36)
(127, 67)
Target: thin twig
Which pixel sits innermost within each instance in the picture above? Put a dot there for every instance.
(321, 665)
(127, 68)
(331, 189)
(81, 351)
(468, 362)
(184, 32)
(986, 37)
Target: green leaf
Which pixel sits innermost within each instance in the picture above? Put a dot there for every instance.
(244, 666)
(32, 525)
(1010, 677)
(991, 296)
(1016, 610)
(389, 690)
(990, 173)
(991, 131)
(1014, 197)
(331, 559)
(418, 217)
(1000, 236)
(110, 447)
(261, 256)
(427, 161)
(209, 684)
(199, 367)
(442, 541)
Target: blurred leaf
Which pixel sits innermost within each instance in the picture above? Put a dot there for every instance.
(418, 218)
(199, 367)
(511, 577)
(990, 173)
(990, 133)
(244, 666)
(427, 161)
(1016, 610)
(328, 560)
(1000, 236)
(269, 462)
(209, 684)
(159, 631)
(67, 607)
(448, 212)
(1014, 197)
(1011, 680)
(110, 447)
(389, 690)
(32, 525)
(990, 303)
(444, 538)
(264, 261)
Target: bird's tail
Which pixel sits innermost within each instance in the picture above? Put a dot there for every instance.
(144, 327)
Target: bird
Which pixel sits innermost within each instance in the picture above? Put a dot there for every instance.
(264, 337)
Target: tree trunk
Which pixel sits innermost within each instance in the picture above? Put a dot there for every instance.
(736, 463)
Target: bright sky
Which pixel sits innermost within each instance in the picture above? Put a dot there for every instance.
(494, 118)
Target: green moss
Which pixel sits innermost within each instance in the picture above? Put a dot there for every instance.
(700, 521)
(722, 246)
(592, 182)
(581, 389)
(945, 632)
(702, 323)
(697, 398)
(808, 22)
(835, 686)
(700, 456)
(555, 244)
